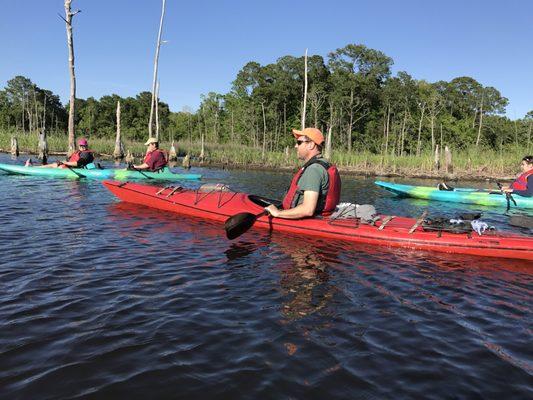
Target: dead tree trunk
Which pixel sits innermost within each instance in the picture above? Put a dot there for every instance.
(387, 129)
(529, 136)
(72, 98)
(304, 108)
(480, 121)
(156, 61)
(448, 160)
(186, 161)
(44, 113)
(437, 157)
(350, 124)
(202, 150)
(157, 111)
(14, 146)
(264, 131)
(43, 147)
(330, 130)
(118, 153)
(129, 158)
(172, 153)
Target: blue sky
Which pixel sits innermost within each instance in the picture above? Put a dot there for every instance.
(210, 41)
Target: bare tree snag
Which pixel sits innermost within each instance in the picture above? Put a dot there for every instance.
(448, 160)
(418, 142)
(118, 153)
(14, 146)
(304, 108)
(70, 43)
(157, 111)
(264, 131)
(129, 157)
(186, 161)
(480, 120)
(156, 61)
(437, 157)
(43, 147)
(202, 149)
(172, 153)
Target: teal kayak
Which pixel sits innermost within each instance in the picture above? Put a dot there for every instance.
(118, 174)
(458, 195)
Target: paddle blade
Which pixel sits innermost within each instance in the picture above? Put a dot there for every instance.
(236, 225)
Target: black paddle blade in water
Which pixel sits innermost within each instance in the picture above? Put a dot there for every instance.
(236, 225)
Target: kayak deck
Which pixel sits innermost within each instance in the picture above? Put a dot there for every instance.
(397, 232)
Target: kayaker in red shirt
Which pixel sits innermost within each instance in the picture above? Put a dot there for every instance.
(79, 159)
(315, 188)
(523, 185)
(155, 159)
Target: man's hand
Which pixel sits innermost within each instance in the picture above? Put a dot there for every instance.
(273, 210)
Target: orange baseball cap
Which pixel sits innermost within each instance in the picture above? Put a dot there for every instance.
(312, 133)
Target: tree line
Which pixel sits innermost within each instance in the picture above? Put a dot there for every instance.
(352, 94)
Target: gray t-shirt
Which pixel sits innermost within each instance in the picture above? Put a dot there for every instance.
(315, 179)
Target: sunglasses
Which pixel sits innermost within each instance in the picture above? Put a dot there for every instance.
(302, 141)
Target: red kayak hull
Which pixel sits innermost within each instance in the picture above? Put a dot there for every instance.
(218, 205)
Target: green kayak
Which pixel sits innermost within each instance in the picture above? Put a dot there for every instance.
(118, 174)
(457, 195)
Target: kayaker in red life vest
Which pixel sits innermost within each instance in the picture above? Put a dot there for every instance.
(523, 185)
(155, 159)
(316, 187)
(79, 159)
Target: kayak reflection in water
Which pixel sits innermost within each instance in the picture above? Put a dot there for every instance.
(155, 159)
(523, 185)
(315, 188)
(79, 159)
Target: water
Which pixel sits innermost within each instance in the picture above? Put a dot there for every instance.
(100, 299)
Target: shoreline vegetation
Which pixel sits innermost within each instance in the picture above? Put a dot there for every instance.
(374, 122)
(473, 164)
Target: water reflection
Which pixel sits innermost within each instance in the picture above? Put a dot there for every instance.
(304, 278)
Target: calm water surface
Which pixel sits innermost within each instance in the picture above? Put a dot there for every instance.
(100, 299)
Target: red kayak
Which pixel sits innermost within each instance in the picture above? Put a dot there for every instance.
(218, 204)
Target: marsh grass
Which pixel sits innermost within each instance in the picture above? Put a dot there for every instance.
(471, 162)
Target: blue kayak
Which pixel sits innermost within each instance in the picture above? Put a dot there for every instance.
(118, 174)
(458, 195)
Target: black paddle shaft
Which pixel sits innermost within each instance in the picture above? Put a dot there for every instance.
(72, 169)
(508, 196)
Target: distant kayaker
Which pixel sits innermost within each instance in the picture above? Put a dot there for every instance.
(316, 187)
(155, 159)
(79, 159)
(523, 185)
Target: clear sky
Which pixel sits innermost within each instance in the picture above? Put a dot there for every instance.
(210, 41)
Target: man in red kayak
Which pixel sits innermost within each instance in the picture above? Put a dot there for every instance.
(316, 187)
(523, 185)
(155, 159)
(79, 159)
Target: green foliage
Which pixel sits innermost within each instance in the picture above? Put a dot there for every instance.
(353, 93)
